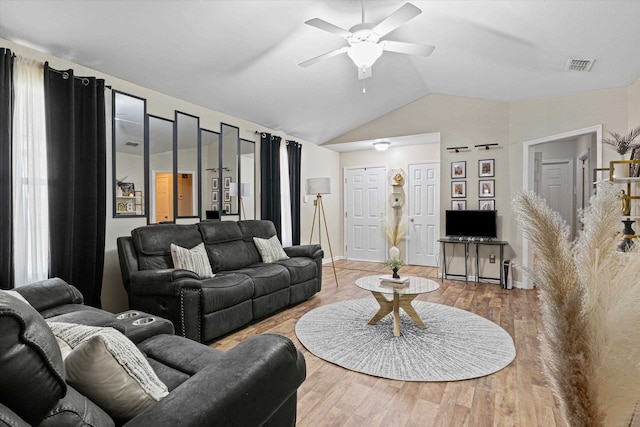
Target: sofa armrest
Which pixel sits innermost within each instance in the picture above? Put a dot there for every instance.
(244, 388)
(167, 282)
(50, 293)
(311, 251)
(8, 418)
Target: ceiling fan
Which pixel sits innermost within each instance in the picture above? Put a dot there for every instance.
(365, 46)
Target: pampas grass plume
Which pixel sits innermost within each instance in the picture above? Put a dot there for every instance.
(590, 304)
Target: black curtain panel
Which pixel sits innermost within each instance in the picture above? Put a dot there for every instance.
(270, 180)
(76, 150)
(294, 153)
(6, 227)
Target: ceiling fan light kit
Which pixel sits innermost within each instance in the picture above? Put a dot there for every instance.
(365, 46)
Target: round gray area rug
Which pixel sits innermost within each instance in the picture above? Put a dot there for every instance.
(456, 345)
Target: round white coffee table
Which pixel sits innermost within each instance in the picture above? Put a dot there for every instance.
(401, 298)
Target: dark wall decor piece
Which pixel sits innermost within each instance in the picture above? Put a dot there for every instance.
(459, 189)
(458, 170)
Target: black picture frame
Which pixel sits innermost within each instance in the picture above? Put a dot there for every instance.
(458, 189)
(459, 169)
(487, 205)
(487, 188)
(486, 168)
(458, 205)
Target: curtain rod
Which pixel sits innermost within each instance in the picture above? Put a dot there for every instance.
(65, 75)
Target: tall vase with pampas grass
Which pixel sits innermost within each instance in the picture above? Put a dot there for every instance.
(590, 300)
(396, 231)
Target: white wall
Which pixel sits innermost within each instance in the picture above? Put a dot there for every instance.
(316, 161)
(467, 121)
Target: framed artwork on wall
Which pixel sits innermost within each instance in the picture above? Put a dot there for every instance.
(214, 183)
(458, 205)
(227, 181)
(486, 168)
(487, 205)
(214, 197)
(227, 196)
(486, 188)
(227, 207)
(459, 189)
(458, 170)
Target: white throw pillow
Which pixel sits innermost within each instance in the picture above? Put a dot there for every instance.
(108, 368)
(270, 249)
(194, 259)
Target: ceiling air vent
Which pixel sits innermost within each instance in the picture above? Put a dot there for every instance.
(580, 64)
(132, 144)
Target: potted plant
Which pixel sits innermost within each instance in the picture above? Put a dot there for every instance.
(394, 263)
(622, 144)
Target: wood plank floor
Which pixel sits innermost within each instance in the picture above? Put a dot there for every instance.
(334, 396)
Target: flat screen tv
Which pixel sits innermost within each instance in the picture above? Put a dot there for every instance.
(481, 224)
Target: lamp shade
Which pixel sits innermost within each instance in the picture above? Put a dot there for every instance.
(233, 189)
(318, 186)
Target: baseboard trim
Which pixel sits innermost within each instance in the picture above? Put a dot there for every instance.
(328, 260)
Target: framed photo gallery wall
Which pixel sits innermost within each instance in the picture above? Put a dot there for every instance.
(486, 187)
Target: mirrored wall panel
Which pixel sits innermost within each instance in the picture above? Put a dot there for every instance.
(187, 173)
(230, 140)
(247, 179)
(210, 174)
(128, 132)
(160, 170)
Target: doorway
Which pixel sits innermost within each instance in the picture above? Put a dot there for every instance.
(365, 191)
(423, 212)
(532, 162)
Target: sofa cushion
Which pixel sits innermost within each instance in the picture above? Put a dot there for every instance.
(225, 247)
(225, 290)
(31, 368)
(153, 243)
(300, 269)
(109, 369)
(194, 259)
(267, 278)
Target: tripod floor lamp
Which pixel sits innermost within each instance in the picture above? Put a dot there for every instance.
(318, 187)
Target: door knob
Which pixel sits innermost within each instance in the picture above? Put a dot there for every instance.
(411, 219)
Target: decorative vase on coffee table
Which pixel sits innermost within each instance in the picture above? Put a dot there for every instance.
(395, 273)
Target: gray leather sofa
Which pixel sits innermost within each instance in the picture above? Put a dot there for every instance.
(253, 384)
(243, 290)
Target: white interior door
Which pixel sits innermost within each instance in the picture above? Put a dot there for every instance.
(365, 210)
(557, 188)
(423, 201)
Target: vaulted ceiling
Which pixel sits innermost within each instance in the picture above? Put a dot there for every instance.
(241, 57)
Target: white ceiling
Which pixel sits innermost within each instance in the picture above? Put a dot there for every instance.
(240, 57)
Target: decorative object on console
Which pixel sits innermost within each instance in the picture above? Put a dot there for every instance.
(622, 144)
(458, 170)
(317, 187)
(586, 287)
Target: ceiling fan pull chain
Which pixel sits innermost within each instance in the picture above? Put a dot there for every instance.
(362, 2)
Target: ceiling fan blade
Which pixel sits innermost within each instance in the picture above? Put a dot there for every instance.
(364, 73)
(397, 18)
(324, 56)
(326, 26)
(408, 48)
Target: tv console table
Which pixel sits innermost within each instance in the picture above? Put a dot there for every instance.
(466, 243)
